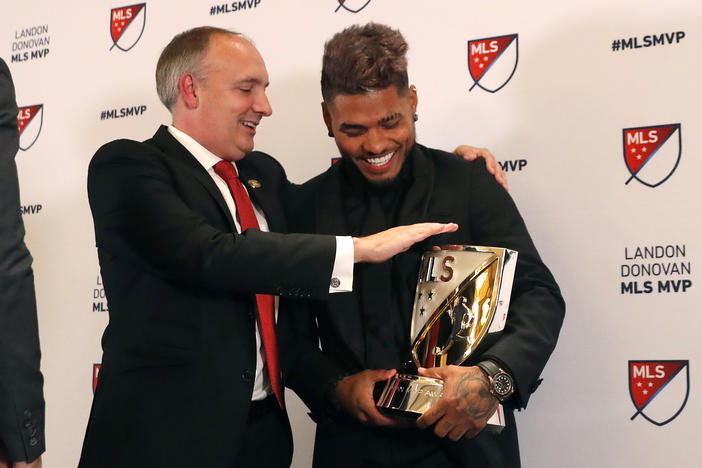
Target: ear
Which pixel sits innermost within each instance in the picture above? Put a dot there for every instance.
(413, 98)
(187, 88)
(327, 117)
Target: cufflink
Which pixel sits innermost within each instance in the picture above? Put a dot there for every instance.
(335, 283)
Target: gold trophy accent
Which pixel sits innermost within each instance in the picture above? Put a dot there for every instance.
(460, 305)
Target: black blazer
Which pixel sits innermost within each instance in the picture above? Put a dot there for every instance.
(445, 189)
(179, 350)
(21, 395)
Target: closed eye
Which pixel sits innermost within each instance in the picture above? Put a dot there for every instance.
(353, 130)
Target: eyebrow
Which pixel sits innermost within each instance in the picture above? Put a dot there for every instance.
(252, 81)
(350, 126)
(381, 121)
(388, 118)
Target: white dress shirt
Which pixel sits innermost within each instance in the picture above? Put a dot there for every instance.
(342, 273)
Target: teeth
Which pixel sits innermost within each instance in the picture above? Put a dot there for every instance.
(249, 124)
(381, 160)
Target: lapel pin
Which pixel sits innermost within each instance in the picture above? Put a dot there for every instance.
(253, 183)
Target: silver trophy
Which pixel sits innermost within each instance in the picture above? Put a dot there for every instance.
(460, 306)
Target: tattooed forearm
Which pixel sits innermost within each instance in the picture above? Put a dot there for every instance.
(473, 395)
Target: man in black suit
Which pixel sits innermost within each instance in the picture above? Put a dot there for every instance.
(386, 179)
(21, 382)
(184, 378)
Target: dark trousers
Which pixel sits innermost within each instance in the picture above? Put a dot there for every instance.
(355, 446)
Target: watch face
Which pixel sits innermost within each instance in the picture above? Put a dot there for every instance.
(502, 384)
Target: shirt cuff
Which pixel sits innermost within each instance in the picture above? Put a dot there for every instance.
(342, 274)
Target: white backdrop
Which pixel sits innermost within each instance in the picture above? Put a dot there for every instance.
(557, 125)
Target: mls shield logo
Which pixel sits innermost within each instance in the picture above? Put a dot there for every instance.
(127, 25)
(96, 371)
(652, 153)
(659, 389)
(492, 61)
(29, 121)
(354, 6)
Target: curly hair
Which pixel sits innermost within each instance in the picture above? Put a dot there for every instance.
(364, 58)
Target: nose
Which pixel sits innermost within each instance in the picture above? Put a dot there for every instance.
(375, 141)
(261, 105)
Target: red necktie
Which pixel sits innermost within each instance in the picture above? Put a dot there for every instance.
(266, 314)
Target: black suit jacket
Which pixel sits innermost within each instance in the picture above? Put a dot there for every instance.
(21, 394)
(445, 188)
(179, 350)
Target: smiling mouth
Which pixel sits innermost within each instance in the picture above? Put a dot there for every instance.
(380, 162)
(251, 125)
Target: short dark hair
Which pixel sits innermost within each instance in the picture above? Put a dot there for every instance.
(364, 58)
(182, 55)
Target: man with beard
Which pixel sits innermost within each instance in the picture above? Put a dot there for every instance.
(387, 179)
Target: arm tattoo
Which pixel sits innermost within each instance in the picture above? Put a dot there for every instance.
(472, 389)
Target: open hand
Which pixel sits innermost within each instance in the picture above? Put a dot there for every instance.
(380, 247)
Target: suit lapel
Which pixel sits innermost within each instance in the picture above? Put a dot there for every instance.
(169, 145)
(414, 207)
(343, 308)
(329, 209)
(261, 194)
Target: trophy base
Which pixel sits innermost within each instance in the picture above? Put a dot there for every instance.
(409, 396)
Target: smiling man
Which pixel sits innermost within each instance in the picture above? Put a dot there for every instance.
(190, 373)
(385, 179)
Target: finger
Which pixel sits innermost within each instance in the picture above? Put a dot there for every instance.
(443, 427)
(458, 432)
(382, 374)
(431, 416)
(468, 153)
(503, 181)
(433, 373)
(424, 230)
(379, 419)
(501, 176)
(450, 227)
(490, 161)
(471, 431)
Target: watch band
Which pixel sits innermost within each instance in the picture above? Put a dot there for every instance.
(490, 368)
(501, 383)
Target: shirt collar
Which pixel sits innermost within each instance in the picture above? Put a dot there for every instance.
(204, 156)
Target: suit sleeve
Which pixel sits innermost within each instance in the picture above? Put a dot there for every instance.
(21, 394)
(140, 217)
(536, 306)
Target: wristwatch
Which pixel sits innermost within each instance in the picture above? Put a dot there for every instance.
(501, 383)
